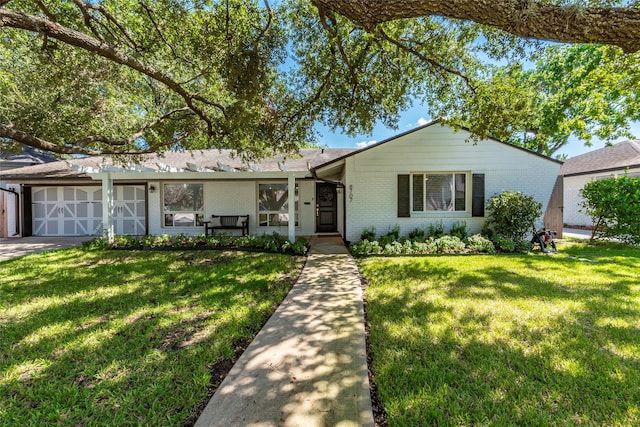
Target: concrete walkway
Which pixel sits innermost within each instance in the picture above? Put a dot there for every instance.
(307, 366)
(14, 247)
(576, 233)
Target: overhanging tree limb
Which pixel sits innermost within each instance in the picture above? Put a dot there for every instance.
(53, 30)
(8, 132)
(616, 26)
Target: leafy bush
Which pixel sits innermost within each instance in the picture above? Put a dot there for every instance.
(427, 247)
(513, 214)
(449, 244)
(416, 234)
(459, 229)
(614, 206)
(523, 245)
(487, 231)
(366, 247)
(368, 234)
(504, 243)
(435, 230)
(267, 242)
(393, 248)
(394, 232)
(478, 243)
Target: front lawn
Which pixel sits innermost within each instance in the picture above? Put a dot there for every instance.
(127, 338)
(508, 339)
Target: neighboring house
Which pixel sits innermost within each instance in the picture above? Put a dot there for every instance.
(614, 161)
(423, 176)
(9, 199)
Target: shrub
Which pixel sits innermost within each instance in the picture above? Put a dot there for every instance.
(394, 232)
(268, 242)
(426, 247)
(504, 243)
(449, 244)
(480, 244)
(523, 245)
(487, 231)
(513, 214)
(416, 234)
(435, 230)
(393, 248)
(459, 229)
(614, 206)
(365, 247)
(386, 239)
(368, 234)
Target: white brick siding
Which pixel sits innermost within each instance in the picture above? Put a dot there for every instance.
(573, 200)
(371, 177)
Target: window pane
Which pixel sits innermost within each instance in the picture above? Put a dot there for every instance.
(460, 191)
(183, 197)
(279, 220)
(168, 220)
(184, 220)
(439, 192)
(418, 192)
(273, 197)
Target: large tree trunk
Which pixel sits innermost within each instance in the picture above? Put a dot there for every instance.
(524, 18)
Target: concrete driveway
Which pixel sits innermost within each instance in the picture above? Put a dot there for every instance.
(13, 247)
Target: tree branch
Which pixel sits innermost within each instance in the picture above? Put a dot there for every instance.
(426, 59)
(72, 37)
(616, 26)
(330, 28)
(8, 132)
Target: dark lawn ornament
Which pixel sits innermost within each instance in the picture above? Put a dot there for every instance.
(545, 238)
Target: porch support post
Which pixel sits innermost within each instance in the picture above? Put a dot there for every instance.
(291, 186)
(107, 207)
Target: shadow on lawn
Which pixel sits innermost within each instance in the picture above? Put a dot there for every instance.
(123, 338)
(495, 346)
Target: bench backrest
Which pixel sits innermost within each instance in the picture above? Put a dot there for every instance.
(230, 220)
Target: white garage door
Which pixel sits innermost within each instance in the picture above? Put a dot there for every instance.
(77, 211)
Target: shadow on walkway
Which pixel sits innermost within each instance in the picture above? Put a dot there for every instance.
(307, 366)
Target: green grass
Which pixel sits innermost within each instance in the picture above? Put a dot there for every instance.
(507, 340)
(126, 338)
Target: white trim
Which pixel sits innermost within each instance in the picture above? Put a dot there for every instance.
(291, 183)
(431, 213)
(107, 207)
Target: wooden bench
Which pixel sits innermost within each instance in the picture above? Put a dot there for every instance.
(227, 222)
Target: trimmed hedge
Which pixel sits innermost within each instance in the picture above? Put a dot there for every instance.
(265, 242)
(442, 245)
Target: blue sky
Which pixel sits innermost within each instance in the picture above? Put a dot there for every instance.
(417, 116)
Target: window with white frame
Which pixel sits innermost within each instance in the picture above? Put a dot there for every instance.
(439, 192)
(273, 205)
(183, 204)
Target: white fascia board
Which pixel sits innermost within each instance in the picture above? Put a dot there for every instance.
(195, 176)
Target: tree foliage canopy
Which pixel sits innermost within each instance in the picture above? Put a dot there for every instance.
(613, 204)
(133, 76)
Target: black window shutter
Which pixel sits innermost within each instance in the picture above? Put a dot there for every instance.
(404, 206)
(477, 201)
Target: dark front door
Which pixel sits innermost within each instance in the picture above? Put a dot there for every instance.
(326, 208)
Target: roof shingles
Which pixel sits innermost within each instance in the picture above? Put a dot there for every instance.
(619, 156)
(205, 158)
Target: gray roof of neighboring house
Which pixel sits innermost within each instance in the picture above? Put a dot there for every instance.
(25, 157)
(619, 156)
(201, 158)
